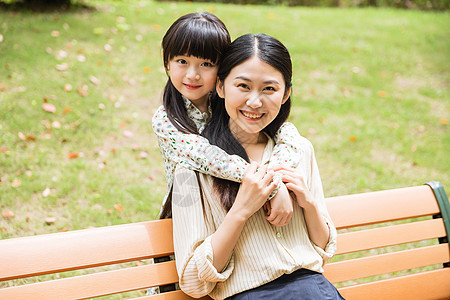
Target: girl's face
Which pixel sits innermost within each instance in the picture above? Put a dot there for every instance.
(254, 92)
(193, 77)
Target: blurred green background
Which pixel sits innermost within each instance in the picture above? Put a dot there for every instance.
(79, 85)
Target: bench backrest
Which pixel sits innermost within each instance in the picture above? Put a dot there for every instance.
(125, 250)
(407, 232)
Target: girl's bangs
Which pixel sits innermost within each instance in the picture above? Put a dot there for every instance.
(200, 42)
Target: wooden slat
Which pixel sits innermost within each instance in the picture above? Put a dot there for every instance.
(386, 263)
(175, 295)
(95, 285)
(44, 254)
(382, 206)
(390, 235)
(431, 285)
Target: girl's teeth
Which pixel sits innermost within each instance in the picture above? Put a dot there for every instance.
(250, 115)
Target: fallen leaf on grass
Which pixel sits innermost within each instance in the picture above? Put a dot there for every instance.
(55, 33)
(94, 80)
(62, 67)
(21, 136)
(49, 107)
(118, 207)
(3, 149)
(67, 87)
(382, 94)
(147, 69)
(46, 192)
(66, 110)
(2, 87)
(73, 155)
(50, 220)
(7, 214)
(127, 134)
(443, 121)
(352, 139)
(15, 183)
(83, 91)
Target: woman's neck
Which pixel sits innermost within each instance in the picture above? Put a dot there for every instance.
(253, 143)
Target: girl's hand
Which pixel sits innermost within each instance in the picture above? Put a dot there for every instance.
(295, 183)
(255, 188)
(280, 210)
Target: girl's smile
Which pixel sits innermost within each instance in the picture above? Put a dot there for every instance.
(193, 77)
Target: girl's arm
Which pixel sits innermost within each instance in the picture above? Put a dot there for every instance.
(194, 152)
(287, 151)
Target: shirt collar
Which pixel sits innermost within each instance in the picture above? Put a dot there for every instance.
(195, 114)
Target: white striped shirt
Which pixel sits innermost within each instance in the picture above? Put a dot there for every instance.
(262, 253)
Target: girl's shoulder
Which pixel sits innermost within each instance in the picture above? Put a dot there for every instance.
(159, 114)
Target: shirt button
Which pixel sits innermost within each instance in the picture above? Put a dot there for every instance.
(278, 234)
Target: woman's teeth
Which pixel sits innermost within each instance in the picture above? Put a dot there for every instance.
(251, 115)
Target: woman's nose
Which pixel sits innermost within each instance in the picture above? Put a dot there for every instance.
(254, 101)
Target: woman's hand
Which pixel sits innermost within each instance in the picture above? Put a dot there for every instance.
(255, 188)
(280, 208)
(318, 230)
(295, 183)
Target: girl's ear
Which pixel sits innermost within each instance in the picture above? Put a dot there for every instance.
(219, 88)
(286, 95)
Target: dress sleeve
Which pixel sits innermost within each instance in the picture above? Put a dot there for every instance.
(287, 150)
(314, 183)
(193, 227)
(194, 152)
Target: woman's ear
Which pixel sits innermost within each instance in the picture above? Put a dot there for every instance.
(219, 88)
(287, 95)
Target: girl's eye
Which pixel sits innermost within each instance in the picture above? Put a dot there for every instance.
(207, 64)
(181, 61)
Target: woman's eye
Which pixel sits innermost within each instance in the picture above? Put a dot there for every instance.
(270, 89)
(243, 85)
(181, 61)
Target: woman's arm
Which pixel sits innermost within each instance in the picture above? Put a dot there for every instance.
(253, 192)
(204, 253)
(306, 185)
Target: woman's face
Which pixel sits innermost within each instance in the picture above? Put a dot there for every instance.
(254, 92)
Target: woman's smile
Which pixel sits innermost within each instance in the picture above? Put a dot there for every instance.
(251, 115)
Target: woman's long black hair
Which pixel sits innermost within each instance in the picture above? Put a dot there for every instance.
(201, 35)
(217, 130)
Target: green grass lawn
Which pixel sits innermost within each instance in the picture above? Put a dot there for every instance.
(371, 91)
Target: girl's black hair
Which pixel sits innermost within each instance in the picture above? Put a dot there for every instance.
(201, 35)
(217, 130)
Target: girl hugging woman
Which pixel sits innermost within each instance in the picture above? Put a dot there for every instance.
(224, 246)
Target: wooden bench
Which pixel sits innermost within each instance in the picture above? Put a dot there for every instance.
(418, 215)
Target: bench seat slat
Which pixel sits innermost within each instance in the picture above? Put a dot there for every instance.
(386, 263)
(370, 208)
(67, 251)
(97, 284)
(175, 295)
(427, 285)
(390, 235)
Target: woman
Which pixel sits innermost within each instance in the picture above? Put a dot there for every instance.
(224, 246)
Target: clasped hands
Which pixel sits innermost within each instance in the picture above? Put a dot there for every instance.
(257, 184)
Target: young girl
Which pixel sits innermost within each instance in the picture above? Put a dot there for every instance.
(192, 47)
(223, 245)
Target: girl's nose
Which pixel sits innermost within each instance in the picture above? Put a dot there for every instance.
(193, 74)
(254, 101)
